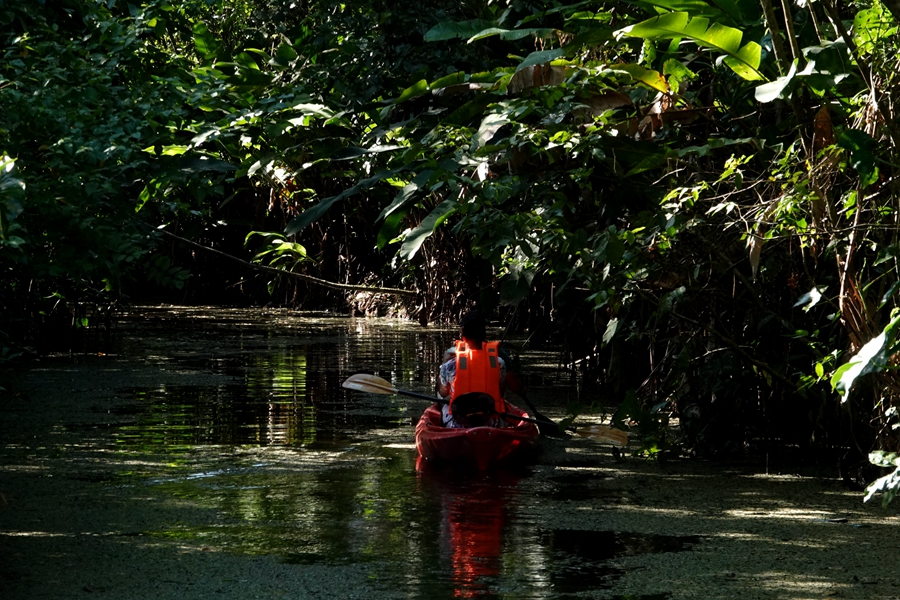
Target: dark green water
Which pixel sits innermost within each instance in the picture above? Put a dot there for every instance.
(241, 416)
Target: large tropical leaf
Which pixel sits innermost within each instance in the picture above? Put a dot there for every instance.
(696, 8)
(743, 60)
(462, 29)
(512, 34)
(648, 77)
(312, 214)
(780, 88)
(417, 236)
(540, 57)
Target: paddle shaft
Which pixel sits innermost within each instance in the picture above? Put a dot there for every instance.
(539, 422)
(503, 414)
(371, 383)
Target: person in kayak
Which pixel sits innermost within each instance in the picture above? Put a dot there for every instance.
(473, 378)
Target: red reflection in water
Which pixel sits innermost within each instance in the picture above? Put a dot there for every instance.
(474, 513)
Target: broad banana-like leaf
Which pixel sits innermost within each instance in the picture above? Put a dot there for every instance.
(416, 89)
(511, 34)
(417, 236)
(540, 57)
(734, 12)
(743, 60)
(648, 77)
(311, 214)
(696, 8)
(773, 90)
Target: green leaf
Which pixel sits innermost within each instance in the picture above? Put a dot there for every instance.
(540, 57)
(516, 285)
(413, 91)
(648, 77)
(611, 329)
(417, 236)
(407, 195)
(390, 229)
(249, 77)
(809, 299)
(174, 150)
(448, 80)
(489, 127)
(246, 61)
(873, 26)
(284, 56)
(463, 29)
(863, 149)
(670, 299)
(310, 215)
(743, 60)
(317, 110)
(696, 8)
(873, 357)
(889, 293)
(777, 89)
(207, 45)
(880, 458)
(511, 34)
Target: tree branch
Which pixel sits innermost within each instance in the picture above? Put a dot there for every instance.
(307, 278)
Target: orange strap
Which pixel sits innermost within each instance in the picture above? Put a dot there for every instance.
(478, 371)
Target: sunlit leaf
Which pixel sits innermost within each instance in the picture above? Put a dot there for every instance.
(809, 299)
(871, 358)
(646, 76)
(417, 236)
(743, 60)
(206, 43)
(413, 91)
(778, 89)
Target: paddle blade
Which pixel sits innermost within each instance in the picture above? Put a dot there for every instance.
(601, 433)
(362, 382)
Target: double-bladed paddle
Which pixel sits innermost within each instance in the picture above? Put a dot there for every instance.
(363, 382)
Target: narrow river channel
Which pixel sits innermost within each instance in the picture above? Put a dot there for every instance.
(214, 453)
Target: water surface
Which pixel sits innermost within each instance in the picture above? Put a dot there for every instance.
(240, 416)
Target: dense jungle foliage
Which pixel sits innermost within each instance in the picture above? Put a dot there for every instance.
(698, 198)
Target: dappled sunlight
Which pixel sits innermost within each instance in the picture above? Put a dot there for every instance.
(788, 513)
(648, 511)
(36, 534)
(796, 586)
(279, 461)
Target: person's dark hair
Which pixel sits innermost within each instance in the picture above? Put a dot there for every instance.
(474, 326)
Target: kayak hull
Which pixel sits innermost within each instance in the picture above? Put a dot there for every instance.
(483, 447)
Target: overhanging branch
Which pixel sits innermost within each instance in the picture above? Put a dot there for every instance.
(301, 276)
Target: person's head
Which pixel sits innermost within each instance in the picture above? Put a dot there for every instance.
(473, 326)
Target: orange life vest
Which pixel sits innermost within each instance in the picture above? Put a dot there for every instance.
(478, 371)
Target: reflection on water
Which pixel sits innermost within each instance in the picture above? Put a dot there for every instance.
(281, 376)
(258, 436)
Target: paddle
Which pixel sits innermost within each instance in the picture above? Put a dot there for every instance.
(363, 382)
(547, 426)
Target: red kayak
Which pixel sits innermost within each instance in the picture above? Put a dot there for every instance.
(484, 446)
